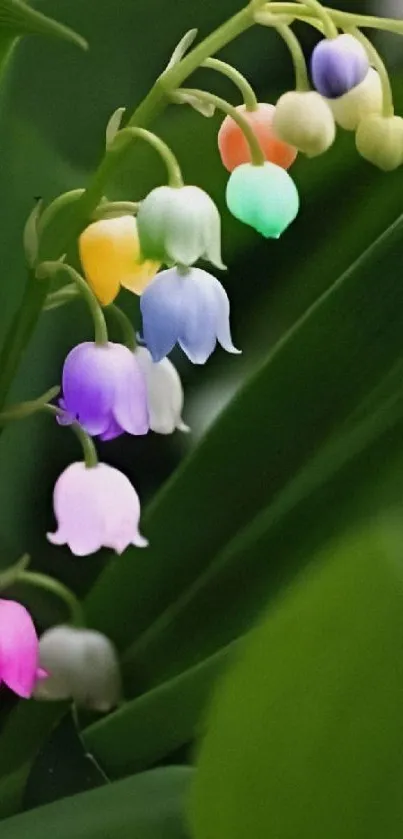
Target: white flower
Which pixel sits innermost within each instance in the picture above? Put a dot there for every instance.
(305, 120)
(82, 665)
(364, 99)
(164, 393)
(95, 507)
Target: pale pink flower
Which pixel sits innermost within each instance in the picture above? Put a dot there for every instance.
(95, 507)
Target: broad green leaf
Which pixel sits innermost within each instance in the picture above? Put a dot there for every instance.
(146, 806)
(305, 734)
(342, 348)
(155, 725)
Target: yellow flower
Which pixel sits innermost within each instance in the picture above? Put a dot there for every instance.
(111, 257)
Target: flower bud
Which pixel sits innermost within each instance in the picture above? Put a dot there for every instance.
(234, 149)
(338, 65)
(305, 121)
(364, 99)
(380, 140)
(264, 197)
(81, 665)
(180, 225)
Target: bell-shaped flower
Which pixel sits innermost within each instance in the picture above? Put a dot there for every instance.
(164, 393)
(82, 665)
(19, 658)
(95, 507)
(264, 197)
(180, 225)
(233, 148)
(111, 257)
(104, 390)
(380, 141)
(361, 101)
(305, 120)
(338, 65)
(189, 308)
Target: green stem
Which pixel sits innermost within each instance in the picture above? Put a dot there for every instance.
(297, 55)
(329, 27)
(26, 409)
(127, 135)
(126, 327)
(340, 19)
(114, 209)
(87, 444)
(376, 60)
(33, 578)
(248, 94)
(46, 269)
(257, 156)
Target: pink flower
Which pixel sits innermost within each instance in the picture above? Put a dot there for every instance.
(19, 649)
(96, 507)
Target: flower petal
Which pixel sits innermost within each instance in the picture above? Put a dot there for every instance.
(164, 393)
(161, 309)
(18, 648)
(79, 519)
(88, 386)
(130, 408)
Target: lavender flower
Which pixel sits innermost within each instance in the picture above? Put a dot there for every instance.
(338, 65)
(104, 390)
(191, 309)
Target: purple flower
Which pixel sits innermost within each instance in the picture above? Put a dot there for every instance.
(95, 507)
(191, 309)
(338, 65)
(104, 390)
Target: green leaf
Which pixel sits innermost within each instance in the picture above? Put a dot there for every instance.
(305, 735)
(147, 806)
(342, 348)
(148, 729)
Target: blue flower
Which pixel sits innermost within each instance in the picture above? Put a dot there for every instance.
(189, 308)
(338, 65)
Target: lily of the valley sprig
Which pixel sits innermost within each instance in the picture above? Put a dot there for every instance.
(165, 248)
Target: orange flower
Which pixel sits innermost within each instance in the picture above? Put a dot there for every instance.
(234, 149)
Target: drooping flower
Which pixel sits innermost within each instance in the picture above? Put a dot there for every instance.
(95, 507)
(338, 65)
(264, 197)
(361, 101)
(104, 390)
(189, 308)
(111, 257)
(180, 225)
(164, 393)
(19, 649)
(82, 665)
(234, 149)
(380, 141)
(305, 120)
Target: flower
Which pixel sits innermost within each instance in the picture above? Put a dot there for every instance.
(82, 664)
(104, 390)
(95, 507)
(189, 308)
(234, 149)
(306, 121)
(338, 65)
(180, 225)
(164, 393)
(111, 258)
(265, 197)
(380, 140)
(18, 649)
(365, 99)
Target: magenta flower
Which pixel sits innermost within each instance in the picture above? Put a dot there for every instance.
(95, 507)
(104, 390)
(19, 649)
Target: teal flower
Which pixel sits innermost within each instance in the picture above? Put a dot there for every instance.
(264, 197)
